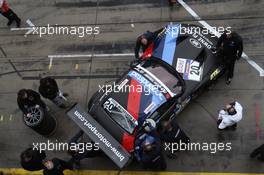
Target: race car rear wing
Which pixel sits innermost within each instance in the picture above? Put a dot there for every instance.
(98, 134)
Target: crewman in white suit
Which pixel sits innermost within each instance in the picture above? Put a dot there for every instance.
(230, 116)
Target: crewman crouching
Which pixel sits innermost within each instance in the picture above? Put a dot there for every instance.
(230, 116)
(148, 150)
(49, 89)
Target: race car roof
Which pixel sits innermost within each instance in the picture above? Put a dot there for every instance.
(172, 43)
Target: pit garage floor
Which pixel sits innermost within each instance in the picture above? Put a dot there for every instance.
(24, 59)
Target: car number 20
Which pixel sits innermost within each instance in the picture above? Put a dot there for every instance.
(195, 70)
(109, 105)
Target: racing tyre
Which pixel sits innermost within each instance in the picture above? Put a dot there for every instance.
(40, 121)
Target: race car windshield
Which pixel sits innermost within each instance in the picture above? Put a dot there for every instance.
(169, 81)
(120, 115)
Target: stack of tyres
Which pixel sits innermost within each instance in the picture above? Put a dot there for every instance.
(40, 121)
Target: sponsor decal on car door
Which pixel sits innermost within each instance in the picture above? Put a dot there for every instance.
(191, 70)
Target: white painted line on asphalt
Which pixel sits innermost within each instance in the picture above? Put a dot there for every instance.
(76, 66)
(92, 55)
(17, 29)
(31, 30)
(254, 64)
(212, 30)
(30, 23)
(50, 63)
(197, 17)
(11, 117)
(132, 23)
(1, 118)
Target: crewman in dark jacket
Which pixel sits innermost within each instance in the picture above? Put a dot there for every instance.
(56, 167)
(170, 132)
(152, 156)
(48, 88)
(144, 42)
(259, 153)
(31, 160)
(148, 149)
(27, 98)
(231, 45)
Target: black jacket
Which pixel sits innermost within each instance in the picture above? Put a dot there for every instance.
(32, 100)
(59, 167)
(232, 47)
(175, 135)
(151, 157)
(35, 163)
(154, 159)
(49, 91)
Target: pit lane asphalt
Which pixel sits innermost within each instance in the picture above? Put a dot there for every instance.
(29, 55)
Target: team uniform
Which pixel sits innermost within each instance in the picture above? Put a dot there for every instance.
(150, 37)
(232, 48)
(35, 162)
(58, 167)
(226, 120)
(154, 158)
(50, 90)
(175, 135)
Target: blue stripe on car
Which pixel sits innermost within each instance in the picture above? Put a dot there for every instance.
(158, 48)
(172, 33)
